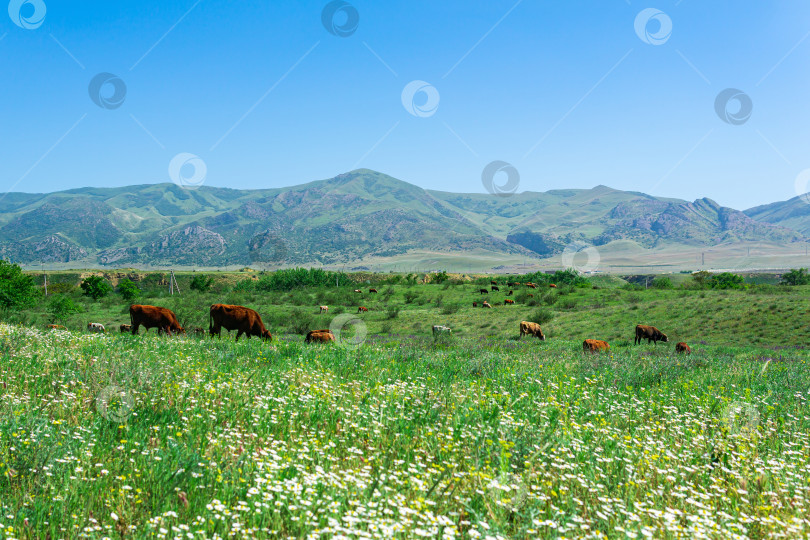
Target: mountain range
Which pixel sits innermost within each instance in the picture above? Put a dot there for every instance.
(359, 216)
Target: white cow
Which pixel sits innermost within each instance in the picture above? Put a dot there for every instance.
(324, 309)
(437, 330)
(96, 328)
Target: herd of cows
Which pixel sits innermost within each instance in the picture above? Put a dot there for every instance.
(248, 322)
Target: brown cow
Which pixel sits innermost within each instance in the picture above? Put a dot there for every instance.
(552, 286)
(483, 291)
(56, 327)
(154, 317)
(372, 290)
(531, 329)
(324, 309)
(240, 318)
(358, 290)
(595, 345)
(124, 328)
(361, 309)
(508, 302)
(475, 304)
(494, 288)
(682, 347)
(530, 295)
(531, 285)
(493, 282)
(651, 333)
(486, 304)
(320, 336)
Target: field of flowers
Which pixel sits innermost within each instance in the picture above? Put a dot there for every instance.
(119, 436)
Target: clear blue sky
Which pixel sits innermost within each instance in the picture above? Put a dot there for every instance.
(604, 106)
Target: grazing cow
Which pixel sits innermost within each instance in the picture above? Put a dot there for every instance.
(651, 333)
(240, 318)
(486, 304)
(531, 329)
(124, 328)
(324, 309)
(475, 304)
(510, 293)
(508, 302)
(552, 286)
(595, 346)
(483, 291)
(511, 283)
(319, 336)
(493, 282)
(154, 317)
(372, 290)
(682, 347)
(361, 309)
(530, 295)
(494, 288)
(56, 327)
(439, 330)
(531, 285)
(96, 328)
(358, 290)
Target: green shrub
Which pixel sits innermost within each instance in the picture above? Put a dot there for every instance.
(700, 279)
(726, 280)
(245, 285)
(541, 316)
(796, 277)
(550, 298)
(61, 288)
(16, 289)
(294, 278)
(96, 287)
(302, 322)
(128, 290)
(568, 303)
(662, 282)
(61, 307)
(449, 309)
(201, 283)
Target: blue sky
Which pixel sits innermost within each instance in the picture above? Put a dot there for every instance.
(566, 92)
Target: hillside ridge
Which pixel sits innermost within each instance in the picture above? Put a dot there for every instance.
(359, 215)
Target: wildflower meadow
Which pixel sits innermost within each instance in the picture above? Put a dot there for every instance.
(121, 436)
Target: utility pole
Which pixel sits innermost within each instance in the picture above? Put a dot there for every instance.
(173, 283)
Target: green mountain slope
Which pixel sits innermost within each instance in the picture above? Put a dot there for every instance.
(353, 217)
(793, 213)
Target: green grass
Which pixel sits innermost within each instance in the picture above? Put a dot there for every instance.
(763, 315)
(125, 436)
(477, 434)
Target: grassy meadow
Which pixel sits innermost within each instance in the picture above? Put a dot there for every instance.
(477, 435)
